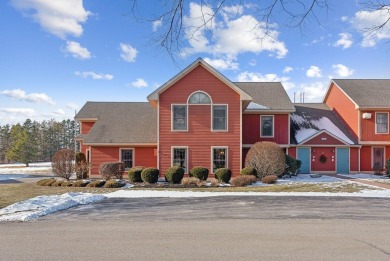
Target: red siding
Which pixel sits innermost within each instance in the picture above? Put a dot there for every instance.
(199, 137)
(368, 129)
(143, 156)
(292, 152)
(344, 108)
(251, 129)
(86, 127)
(329, 165)
(354, 159)
(329, 140)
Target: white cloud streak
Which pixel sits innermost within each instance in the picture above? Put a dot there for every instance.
(345, 41)
(342, 70)
(139, 83)
(313, 72)
(128, 53)
(77, 51)
(58, 17)
(270, 77)
(95, 76)
(32, 97)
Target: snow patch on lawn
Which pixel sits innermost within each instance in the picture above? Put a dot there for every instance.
(19, 168)
(42, 205)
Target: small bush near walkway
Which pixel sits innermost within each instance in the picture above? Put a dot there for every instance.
(248, 171)
(243, 181)
(271, 179)
(174, 174)
(192, 181)
(112, 169)
(63, 164)
(96, 184)
(223, 175)
(200, 173)
(150, 175)
(135, 174)
(114, 184)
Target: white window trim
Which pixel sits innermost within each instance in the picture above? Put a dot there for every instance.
(212, 156)
(227, 117)
(133, 155)
(273, 126)
(189, 96)
(180, 147)
(376, 131)
(172, 129)
(372, 155)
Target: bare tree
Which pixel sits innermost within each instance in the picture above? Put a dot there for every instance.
(291, 13)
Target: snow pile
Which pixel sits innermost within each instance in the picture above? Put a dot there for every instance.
(42, 205)
(305, 178)
(20, 168)
(363, 176)
(316, 126)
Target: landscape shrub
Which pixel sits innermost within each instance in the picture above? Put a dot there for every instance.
(200, 173)
(112, 169)
(267, 158)
(248, 171)
(135, 174)
(214, 182)
(114, 184)
(223, 174)
(63, 164)
(96, 184)
(67, 183)
(174, 174)
(291, 164)
(299, 163)
(388, 167)
(81, 183)
(271, 179)
(242, 181)
(191, 181)
(82, 166)
(150, 175)
(46, 182)
(58, 183)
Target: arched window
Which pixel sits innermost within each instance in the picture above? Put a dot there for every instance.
(199, 98)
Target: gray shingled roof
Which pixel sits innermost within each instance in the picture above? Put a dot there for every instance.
(120, 122)
(311, 118)
(268, 94)
(367, 93)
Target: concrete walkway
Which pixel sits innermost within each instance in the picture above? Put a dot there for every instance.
(362, 181)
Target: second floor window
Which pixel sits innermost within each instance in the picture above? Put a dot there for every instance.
(267, 126)
(219, 117)
(179, 117)
(382, 124)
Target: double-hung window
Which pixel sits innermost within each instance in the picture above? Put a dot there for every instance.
(220, 117)
(382, 122)
(179, 158)
(127, 158)
(179, 117)
(267, 126)
(219, 158)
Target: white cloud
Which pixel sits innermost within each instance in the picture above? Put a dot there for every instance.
(252, 62)
(59, 112)
(128, 53)
(77, 51)
(229, 37)
(344, 18)
(364, 20)
(157, 24)
(345, 40)
(139, 83)
(32, 97)
(271, 77)
(95, 76)
(222, 64)
(60, 18)
(342, 70)
(25, 112)
(313, 92)
(313, 72)
(287, 69)
(72, 106)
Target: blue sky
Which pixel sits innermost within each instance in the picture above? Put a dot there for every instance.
(56, 55)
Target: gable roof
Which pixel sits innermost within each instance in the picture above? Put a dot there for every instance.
(154, 96)
(365, 93)
(119, 123)
(266, 96)
(310, 119)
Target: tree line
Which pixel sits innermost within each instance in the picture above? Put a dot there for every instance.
(35, 141)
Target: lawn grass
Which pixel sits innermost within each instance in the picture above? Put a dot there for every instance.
(12, 193)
